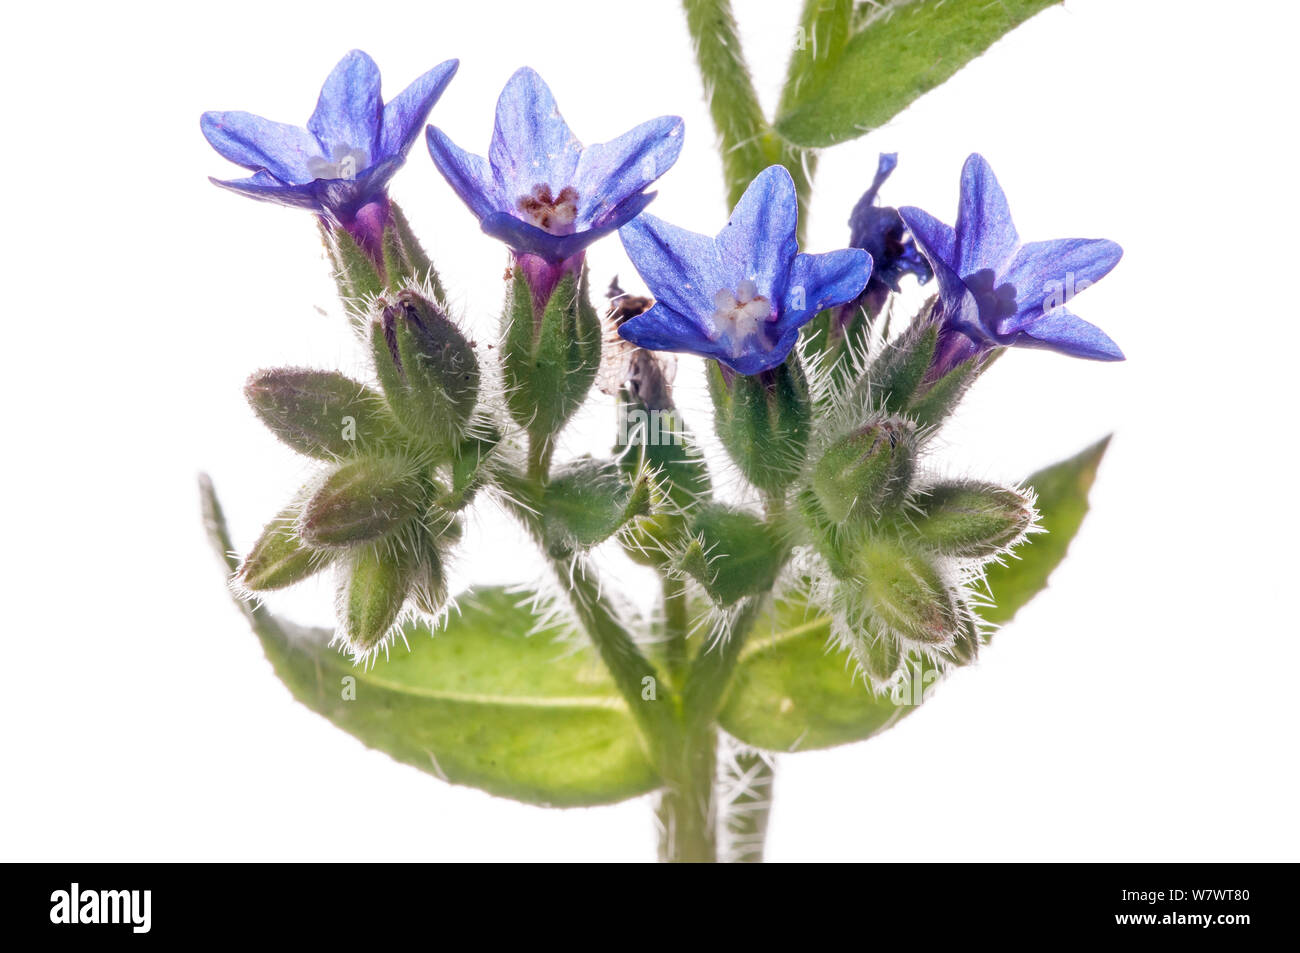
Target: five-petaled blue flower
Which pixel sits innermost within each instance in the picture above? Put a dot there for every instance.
(880, 231)
(539, 190)
(340, 164)
(996, 292)
(739, 298)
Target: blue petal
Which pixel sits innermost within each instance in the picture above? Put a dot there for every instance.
(609, 172)
(531, 144)
(1067, 333)
(257, 143)
(1046, 275)
(405, 114)
(266, 188)
(758, 359)
(663, 329)
(681, 268)
(819, 281)
(938, 244)
(469, 175)
(760, 236)
(349, 112)
(986, 237)
(528, 238)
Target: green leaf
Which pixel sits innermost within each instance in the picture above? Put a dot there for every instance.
(790, 693)
(482, 703)
(899, 50)
(1062, 502)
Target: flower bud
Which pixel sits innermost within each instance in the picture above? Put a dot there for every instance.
(372, 590)
(363, 500)
(279, 558)
(320, 413)
(763, 420)
(732, 554)
(866, 471)
(970, 519)
(428, 369)
(550, 352)
(907, 593)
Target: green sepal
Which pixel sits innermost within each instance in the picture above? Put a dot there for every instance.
(895, 377)
(363, 500)
(471, 465)
(660, 441)
(355, 273)
(587, 501)
(763, 421)
(404, 258)
(906, 592)
(732, 553)
(372, 590)
(935, 404)
(549, 360)
(427, 369)
(322, 414)
(968, 519)
(280, 558)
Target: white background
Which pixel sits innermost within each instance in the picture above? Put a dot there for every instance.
(1142, 708)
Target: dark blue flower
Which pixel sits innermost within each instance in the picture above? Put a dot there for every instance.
(995, 291)
(340, 164)
(880, 231)
(739, 298)
(539, 190)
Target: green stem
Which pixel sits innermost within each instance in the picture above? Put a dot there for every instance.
(675, 628)
(634, 675)
(737, 116)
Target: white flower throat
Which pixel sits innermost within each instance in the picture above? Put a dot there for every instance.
(740, 316)
(348, 162)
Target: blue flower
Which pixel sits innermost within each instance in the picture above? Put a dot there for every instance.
(995, 291)
(539, 190)
(880, 231)
(340, 164)
(739, 298)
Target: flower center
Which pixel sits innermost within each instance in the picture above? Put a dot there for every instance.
(552, 213)
(739, 316)
(347, 163)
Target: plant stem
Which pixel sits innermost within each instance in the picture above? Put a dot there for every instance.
(675, 628)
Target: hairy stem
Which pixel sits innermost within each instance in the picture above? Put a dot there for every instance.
(748, 775)
(675, 628)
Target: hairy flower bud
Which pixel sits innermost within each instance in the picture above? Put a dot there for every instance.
(427, 368)
(363, 500)
(907, 593)
(280, 558)
(372, 591)
(867, 470)
(320, 413)
(970, 519)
